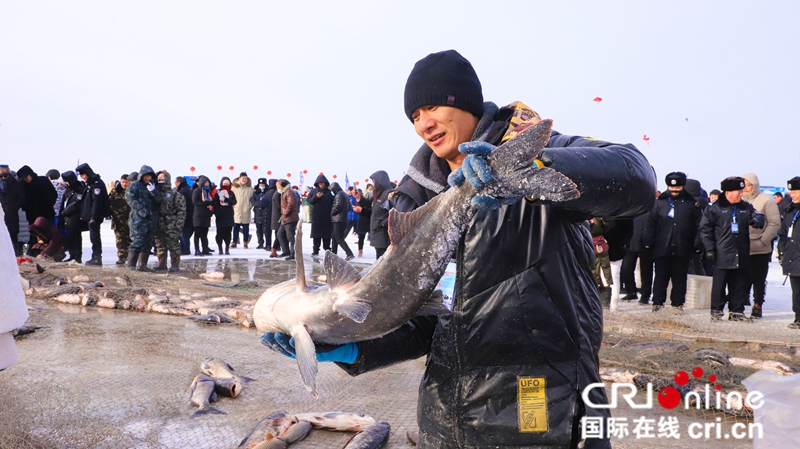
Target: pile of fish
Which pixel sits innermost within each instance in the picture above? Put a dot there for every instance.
(217, 378)
(280, 429)
(196, 306)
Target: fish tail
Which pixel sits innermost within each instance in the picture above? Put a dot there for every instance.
(212, 410)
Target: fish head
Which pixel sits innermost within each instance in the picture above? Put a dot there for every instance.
(264, 311)
(514, 173)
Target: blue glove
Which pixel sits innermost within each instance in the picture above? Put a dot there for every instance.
(281, 343)
(474, 168)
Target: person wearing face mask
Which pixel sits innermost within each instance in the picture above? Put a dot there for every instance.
(671, 231)
(120, 215)
(202, 197)
(368, 190)
(725, 230)
(188, 229)
(70, 216)
(242, 188)
(363, 208)
(171, 217)
(12, 198)
(761, 241)
(224, 201)
(145, 200)
(321, 200)
(261, 202)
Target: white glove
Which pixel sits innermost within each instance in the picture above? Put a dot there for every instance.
(223, 194)
(151, 187)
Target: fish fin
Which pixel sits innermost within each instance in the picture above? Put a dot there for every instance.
(300, 263)
(246, 380)
(213, 397)
(306, 358)
(401, 223)
(338, 272)
(356, 309)
(213, 410)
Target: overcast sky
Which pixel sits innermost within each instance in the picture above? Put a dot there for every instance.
(318, 86)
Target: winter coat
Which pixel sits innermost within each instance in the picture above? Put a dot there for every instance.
(223, 209)
(761, 239)
(637, 244)
(262, 206)
(290, 206)
(144, 203)
(791, 252)
(13, 308)
(732, 251)
(321, 224)
(352, 215)
(618, 237)
(364, 217)
(276, 206)
(526, 306)
(96, 205)
(12, 198)
(242, 210)
(673, 236)
(201, 217)
(186, 191)
(40, 196)
(54, 243)
(699, 194)
(73, 204)
(172, 214)
(341, 204)
(120, 210)
(378, 225)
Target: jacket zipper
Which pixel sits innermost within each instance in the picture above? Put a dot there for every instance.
(457, 430)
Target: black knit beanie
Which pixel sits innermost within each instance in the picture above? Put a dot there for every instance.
(445, 79)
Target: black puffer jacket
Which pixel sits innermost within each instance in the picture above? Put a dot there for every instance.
(223, 213)
(378, 230)
(73, 204)
(321, 224)
(12, 198)
(364, 217)
(732, 251)
(261, 201)
(201, 216)
(95, 198)
(791, 251)
(525, 300)
(40, 195)
(341, 204)
(618, 237)
(676, 236)
(186, 191)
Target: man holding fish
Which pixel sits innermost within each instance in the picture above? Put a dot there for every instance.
(507, 366)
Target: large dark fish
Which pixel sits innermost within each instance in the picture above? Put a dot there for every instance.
(358, 307)
(372, 437)
(270, 427)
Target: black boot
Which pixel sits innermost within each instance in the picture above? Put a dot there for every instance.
(143, 262)
(175, 263)
(162, 263)
(96, 261)
(133, 258)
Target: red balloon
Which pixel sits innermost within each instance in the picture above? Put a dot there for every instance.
(367, 180)
(230, 168)
(191, 169)
(334, 176)
(269, 172)
(597, 99)
(395, 181)
(255, 167)
(356, 182)
(321, 173)
(288, 175)
(219, 167)
(305, 172)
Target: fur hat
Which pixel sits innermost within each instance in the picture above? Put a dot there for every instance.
(732, 183)
(794, 183)
(676, 178)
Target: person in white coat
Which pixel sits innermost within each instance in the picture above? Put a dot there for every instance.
(13, 309)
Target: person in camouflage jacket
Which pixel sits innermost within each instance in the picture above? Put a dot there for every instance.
(120, 216)
(170, 224)
(145, 201)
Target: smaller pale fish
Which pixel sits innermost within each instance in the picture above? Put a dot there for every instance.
(372, 437)
(271, 443)
(220, 369)
(203, 394)
(781, 368)
(343, 421)
(215, 275)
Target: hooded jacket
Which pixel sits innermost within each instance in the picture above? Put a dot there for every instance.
(378, 230)
(276, 204)
(120, 210)
(761, 239)
(732, 251)
(73, 204)
(674, 235)
(341, 204)
(12, 198)
(172, 213)
(242, 210)
(53, 246)
(321, 224)
(184, 189)
(261, 201)
(365, 216)
(201, 217)
(96, 205)
(40, 195)
(526, 305)
(791, 250)
(145, 203)
(223, 208)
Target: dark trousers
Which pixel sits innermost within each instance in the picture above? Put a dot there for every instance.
(361, 238)
(17, 246)
(94, 237)
(326, 244)
(351, 226)
(795, 283)
(245, 227)
(735, 282)
(339, 233)
(223, 236)
(200, 236)
(276, 241)
(675, 269)
(379, 252)
(264, 235)
(75, 245)
(186, 238)
(627, 277)
(759, 268)
(286, 235)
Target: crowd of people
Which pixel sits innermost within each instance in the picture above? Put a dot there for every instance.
(151, 214)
